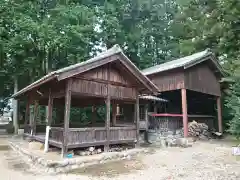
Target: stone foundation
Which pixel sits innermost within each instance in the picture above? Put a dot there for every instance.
(164, 138)
(65, 165)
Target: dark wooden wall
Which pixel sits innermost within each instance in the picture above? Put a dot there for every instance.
(95, 83)
(199, 78)
(169, 80)
(202, 79)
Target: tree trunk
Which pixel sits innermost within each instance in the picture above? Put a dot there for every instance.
(15, 107)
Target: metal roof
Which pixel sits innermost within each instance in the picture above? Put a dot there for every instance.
(110, 52)
(152, 98)
(185, 62)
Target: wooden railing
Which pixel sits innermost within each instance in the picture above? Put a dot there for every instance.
(27, 129)
(86, 135)
(56, 134)
(122, 133)
(98, 135)
(81, 137)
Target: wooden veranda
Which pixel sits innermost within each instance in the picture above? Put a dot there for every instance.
(192, 86)
(108, 80)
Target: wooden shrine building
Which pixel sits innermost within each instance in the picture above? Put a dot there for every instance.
(107, 80)
(192, 86)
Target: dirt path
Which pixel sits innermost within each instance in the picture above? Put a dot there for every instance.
(205, 160)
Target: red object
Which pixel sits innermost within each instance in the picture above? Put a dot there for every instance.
(166, 115)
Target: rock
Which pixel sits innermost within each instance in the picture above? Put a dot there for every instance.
(82, 153)
(128, 157)
(99, 150)
(182, 142)
(163, 143)
(35, 145)
(91, 149)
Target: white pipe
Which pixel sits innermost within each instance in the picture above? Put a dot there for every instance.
(46, 138)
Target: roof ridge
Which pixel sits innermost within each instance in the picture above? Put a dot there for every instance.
(179, 62)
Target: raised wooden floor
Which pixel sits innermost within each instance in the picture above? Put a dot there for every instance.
(85, 137)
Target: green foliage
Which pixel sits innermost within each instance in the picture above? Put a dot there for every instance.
(214, 24)
(39, 36)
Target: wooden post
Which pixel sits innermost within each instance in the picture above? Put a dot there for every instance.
(48, 119)
(108, 113)
(137, 119)
(155, 108)
(94, 115)
(107, 123)
(36, 108)
(219, 111)
(184, 111)
(146, 115)
(27, 115)
(66, 116)
(146, 122)
(114, 114)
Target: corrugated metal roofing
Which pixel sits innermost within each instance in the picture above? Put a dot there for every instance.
(182, 62)
(152, 98)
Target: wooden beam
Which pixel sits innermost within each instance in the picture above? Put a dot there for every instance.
(219, 112)
(94, 114)
(27, 114)
(108, 113)
(66, 116)
(107, 123)
(98, 80)
(36, 110)
(137, 119)
(146, 115)
(49, 119)
(86, 67)
(114, 114)
(184, 111)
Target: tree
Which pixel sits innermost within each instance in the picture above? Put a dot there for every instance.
(214, 24)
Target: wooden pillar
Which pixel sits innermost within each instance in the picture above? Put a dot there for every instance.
(107, 123)
(48, 119)
(219, 112)
(94, 114)
(184, 111)
(66, 116)
(155, 108)
(114, 114)
(137, 119)
(27, 115)
(146, 115)
(108, 109)
(36, 110)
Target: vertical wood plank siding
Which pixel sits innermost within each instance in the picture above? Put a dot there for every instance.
(56, 134)
(170, 80)
(85, 136)
(202, 79)
(89, 87)
(101, 73)
(119, 92)
(100, 89)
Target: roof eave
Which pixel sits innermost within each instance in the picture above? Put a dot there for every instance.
(37, 83)
(142, 78)
(204, 58)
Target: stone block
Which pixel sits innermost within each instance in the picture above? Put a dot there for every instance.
(35, 145)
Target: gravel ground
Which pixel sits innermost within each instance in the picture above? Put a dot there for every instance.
(203, 161)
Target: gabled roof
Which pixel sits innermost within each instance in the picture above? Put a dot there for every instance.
(185, 62)
(92, 63)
